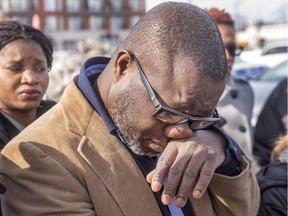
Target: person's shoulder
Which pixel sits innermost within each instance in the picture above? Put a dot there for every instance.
(274, 170)
(242, 83)
(282, 85)
(3, 136)
(45, 105)
(240, 80)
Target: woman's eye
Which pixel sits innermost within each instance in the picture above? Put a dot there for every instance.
(15, 68)
(40, 69)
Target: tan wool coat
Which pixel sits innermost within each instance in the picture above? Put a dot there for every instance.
(67, 163)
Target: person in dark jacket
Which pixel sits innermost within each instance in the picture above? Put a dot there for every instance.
(272, 180)
(271, 123)
(25, 59)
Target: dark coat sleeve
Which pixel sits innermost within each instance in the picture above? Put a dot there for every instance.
(269, 125)
(272, 180)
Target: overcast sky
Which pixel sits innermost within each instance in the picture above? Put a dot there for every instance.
(251, 10)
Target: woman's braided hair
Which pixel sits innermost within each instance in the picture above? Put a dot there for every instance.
(14, 30)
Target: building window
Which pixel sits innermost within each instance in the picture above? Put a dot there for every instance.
(117, 23)
(24, 20)
(60, 23)
(95, 5)
(35, 5)
(51, 23)
(75, 5)
(76, 23)
(134, 5)
(134, 20)
(97, 23)
(116, 5)
(54, 23)
(53, 5)
(21, 5)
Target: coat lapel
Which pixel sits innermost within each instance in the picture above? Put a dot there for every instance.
(117, 170)
(108, 157)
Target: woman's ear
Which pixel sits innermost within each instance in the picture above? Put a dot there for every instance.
(123, 65)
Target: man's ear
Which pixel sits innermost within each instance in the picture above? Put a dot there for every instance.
(123, 65)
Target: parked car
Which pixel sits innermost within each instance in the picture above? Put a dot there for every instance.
(264, 85)
(276, 47)
(248, 70)
(272, 54)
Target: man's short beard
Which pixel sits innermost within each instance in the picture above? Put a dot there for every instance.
(122, 112)
(132, 142)
(131, 137)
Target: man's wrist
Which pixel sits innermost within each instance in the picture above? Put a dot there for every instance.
(233, 156)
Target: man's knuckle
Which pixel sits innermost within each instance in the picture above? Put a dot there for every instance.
(183, 191)
(207, 173)
(190, 173)
(201, 184)
(157, 178)
(164, 161)
(175, 171)
(170, 189)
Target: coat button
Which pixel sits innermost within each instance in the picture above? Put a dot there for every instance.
(234, 93)
(242, 128)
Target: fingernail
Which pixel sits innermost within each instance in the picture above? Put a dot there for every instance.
(156, 186)
(166, 199)
(197, 194)
(180, 202)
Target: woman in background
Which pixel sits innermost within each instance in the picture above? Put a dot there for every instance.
(236, 103)
(25, 59)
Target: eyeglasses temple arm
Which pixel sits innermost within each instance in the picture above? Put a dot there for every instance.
(153, 98)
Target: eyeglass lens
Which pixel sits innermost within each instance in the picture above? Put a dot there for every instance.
(172, 119)
(233, 50)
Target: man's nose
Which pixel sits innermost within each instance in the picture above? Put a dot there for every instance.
(178, 131)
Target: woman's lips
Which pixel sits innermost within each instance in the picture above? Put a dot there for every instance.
(30, 94)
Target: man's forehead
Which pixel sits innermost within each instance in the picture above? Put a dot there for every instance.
(188, 85)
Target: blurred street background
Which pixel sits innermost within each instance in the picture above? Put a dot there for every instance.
(80, 29)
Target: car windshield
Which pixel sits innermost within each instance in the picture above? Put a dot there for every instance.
(276, 73)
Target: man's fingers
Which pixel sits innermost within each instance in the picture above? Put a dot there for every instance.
(205, 177)
(173, 180)
(157, 176)
(155, 185)
(186, 165)
(150, 176)
(179, 176)
(190, 176)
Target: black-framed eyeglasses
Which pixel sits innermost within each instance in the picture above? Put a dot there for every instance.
(234, 50)
(170, 116)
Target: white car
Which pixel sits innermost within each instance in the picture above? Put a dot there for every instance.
(271, 54)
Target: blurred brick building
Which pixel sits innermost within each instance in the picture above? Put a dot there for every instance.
(69, 21)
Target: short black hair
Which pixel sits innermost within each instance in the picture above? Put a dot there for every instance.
(14, 30)
(174, 28)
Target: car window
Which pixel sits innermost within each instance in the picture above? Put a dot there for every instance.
(276, 50)
(276, 73)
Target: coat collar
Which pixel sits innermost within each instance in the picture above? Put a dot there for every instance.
(107, 156)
